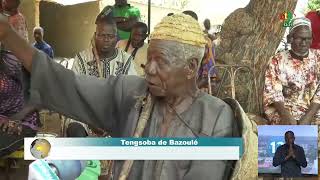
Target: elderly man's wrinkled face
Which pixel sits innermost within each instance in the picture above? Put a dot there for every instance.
(300, 39)
(163, 75)
(105, 37)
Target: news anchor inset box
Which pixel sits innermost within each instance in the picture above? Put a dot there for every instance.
(203, 148)
(271, 137)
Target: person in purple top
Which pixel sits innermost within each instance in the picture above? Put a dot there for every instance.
(40, 43)
(16, 118)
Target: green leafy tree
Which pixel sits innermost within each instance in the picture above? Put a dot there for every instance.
(313, 5)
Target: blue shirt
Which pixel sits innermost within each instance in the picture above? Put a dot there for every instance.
(43, 46)
(292, 166)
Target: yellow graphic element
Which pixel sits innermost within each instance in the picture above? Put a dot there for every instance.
(41, 149)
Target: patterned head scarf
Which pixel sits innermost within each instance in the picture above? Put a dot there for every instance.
(301, 21)
(180, 28)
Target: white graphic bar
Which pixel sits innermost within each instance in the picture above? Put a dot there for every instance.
(140, 153)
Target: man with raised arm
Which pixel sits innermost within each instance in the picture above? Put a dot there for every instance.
(168, 98)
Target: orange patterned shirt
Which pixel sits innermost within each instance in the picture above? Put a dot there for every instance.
(293, 82)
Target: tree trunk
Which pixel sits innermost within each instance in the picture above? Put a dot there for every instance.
(250, 36)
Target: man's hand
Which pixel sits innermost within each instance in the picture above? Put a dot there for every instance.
(288, 156)
(291, 152)
(15, 43)
(14, 128)
(10, 127)
(285, 116)
(99, 131)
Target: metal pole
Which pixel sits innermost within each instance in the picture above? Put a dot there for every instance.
(149, 18)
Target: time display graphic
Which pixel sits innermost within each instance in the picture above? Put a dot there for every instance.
(274, 145)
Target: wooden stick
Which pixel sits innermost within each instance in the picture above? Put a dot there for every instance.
(109, 175)
(142, 122)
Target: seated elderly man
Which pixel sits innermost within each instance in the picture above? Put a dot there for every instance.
(168, 100)
(291, 94)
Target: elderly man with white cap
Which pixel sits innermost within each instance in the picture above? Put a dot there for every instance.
(165, 104)
(291, 93)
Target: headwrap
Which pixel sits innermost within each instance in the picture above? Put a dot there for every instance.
(180, 28)
(301, 21)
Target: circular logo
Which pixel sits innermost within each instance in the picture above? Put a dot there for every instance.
(40, 148)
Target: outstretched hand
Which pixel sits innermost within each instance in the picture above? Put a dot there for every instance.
(9, 126)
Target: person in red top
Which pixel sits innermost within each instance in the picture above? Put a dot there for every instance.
(314, 17)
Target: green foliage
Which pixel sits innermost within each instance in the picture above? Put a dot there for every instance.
(313, 5)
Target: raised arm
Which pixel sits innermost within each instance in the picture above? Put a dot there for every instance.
(12, 41)
(86, 99)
